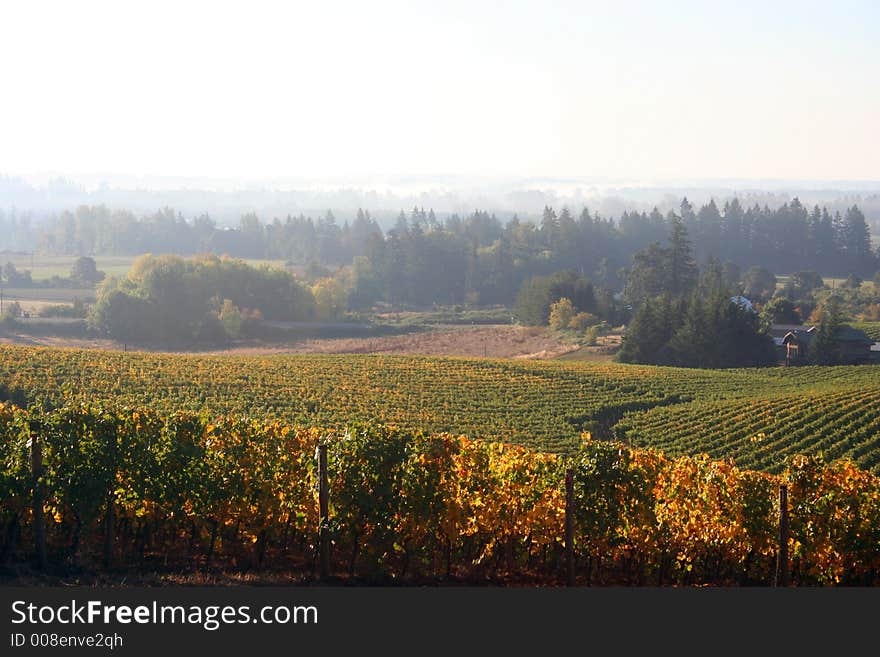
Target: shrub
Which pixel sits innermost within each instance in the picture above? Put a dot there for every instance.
(582, 321)
(561, 314)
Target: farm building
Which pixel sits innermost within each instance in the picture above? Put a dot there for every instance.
(855, 345)
(792, 343)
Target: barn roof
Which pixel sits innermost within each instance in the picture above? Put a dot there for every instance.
(781, 330)
(804, 337)
(743, 302)
(849, 334)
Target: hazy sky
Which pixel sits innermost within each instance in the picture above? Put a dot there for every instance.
(637, 90)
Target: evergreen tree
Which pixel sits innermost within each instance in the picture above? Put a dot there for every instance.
(733, 232)
(649, 332)
(825, 349)
(712, 279)
(692, 343)
(688, 217)
(707, 330)
(647, 277)
(759, 283)
(719, 333)
(857, 241)
(682, 269)
(709, 231)
(780, 310)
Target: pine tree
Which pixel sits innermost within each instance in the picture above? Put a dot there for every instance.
(708, 235)
(682, 269)
(691, 346)
(687, 212)
(733, 229)
(825, 350)
(648, 276)
(857, 241)
(645, 336)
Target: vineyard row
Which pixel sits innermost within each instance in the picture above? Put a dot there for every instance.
(135, 489)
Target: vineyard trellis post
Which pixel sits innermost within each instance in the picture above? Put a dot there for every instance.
(323, 513)
(108, 515)
(782, 553)
(37, 507)
(569, 526)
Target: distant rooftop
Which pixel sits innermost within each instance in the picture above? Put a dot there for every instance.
(781, 330)
(743, 301)
(849, 334)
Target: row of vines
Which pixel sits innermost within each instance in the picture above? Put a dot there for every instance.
(123, 488)
(543, 405)
(763, 434)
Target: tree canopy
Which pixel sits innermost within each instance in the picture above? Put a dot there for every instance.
(170, 299)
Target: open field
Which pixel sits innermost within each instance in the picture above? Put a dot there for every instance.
(486, 342)
(44, 267)
(833, 283)
(480, 341)
(540, 404)
(32, 300)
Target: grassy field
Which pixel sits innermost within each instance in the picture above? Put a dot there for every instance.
(44, 267)
(34, 299)
(833, 283)
(540, 404)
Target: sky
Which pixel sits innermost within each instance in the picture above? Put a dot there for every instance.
(648, 91)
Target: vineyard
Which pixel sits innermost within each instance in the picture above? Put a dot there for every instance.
(763, 434)
(110, 488)
(543, 405)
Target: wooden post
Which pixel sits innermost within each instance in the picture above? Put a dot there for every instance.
(569, 526)
(37, 508)
(782, 553)
(108, 532)
(323, 512)
(108, 516)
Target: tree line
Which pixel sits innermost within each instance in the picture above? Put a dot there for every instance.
(686, 316)
(644, 267)
(478, 259)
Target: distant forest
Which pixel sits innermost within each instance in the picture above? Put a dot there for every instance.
(478, 259)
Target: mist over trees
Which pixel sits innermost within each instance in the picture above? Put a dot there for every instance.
(479, 260)
(37, 198)
(791, 237)
(95, 230)
(670, 277)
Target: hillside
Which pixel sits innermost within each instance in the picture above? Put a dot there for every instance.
(756, 416)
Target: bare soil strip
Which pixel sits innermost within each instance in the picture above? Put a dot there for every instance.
(477, 342)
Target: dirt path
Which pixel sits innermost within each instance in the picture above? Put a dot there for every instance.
(479, 342)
